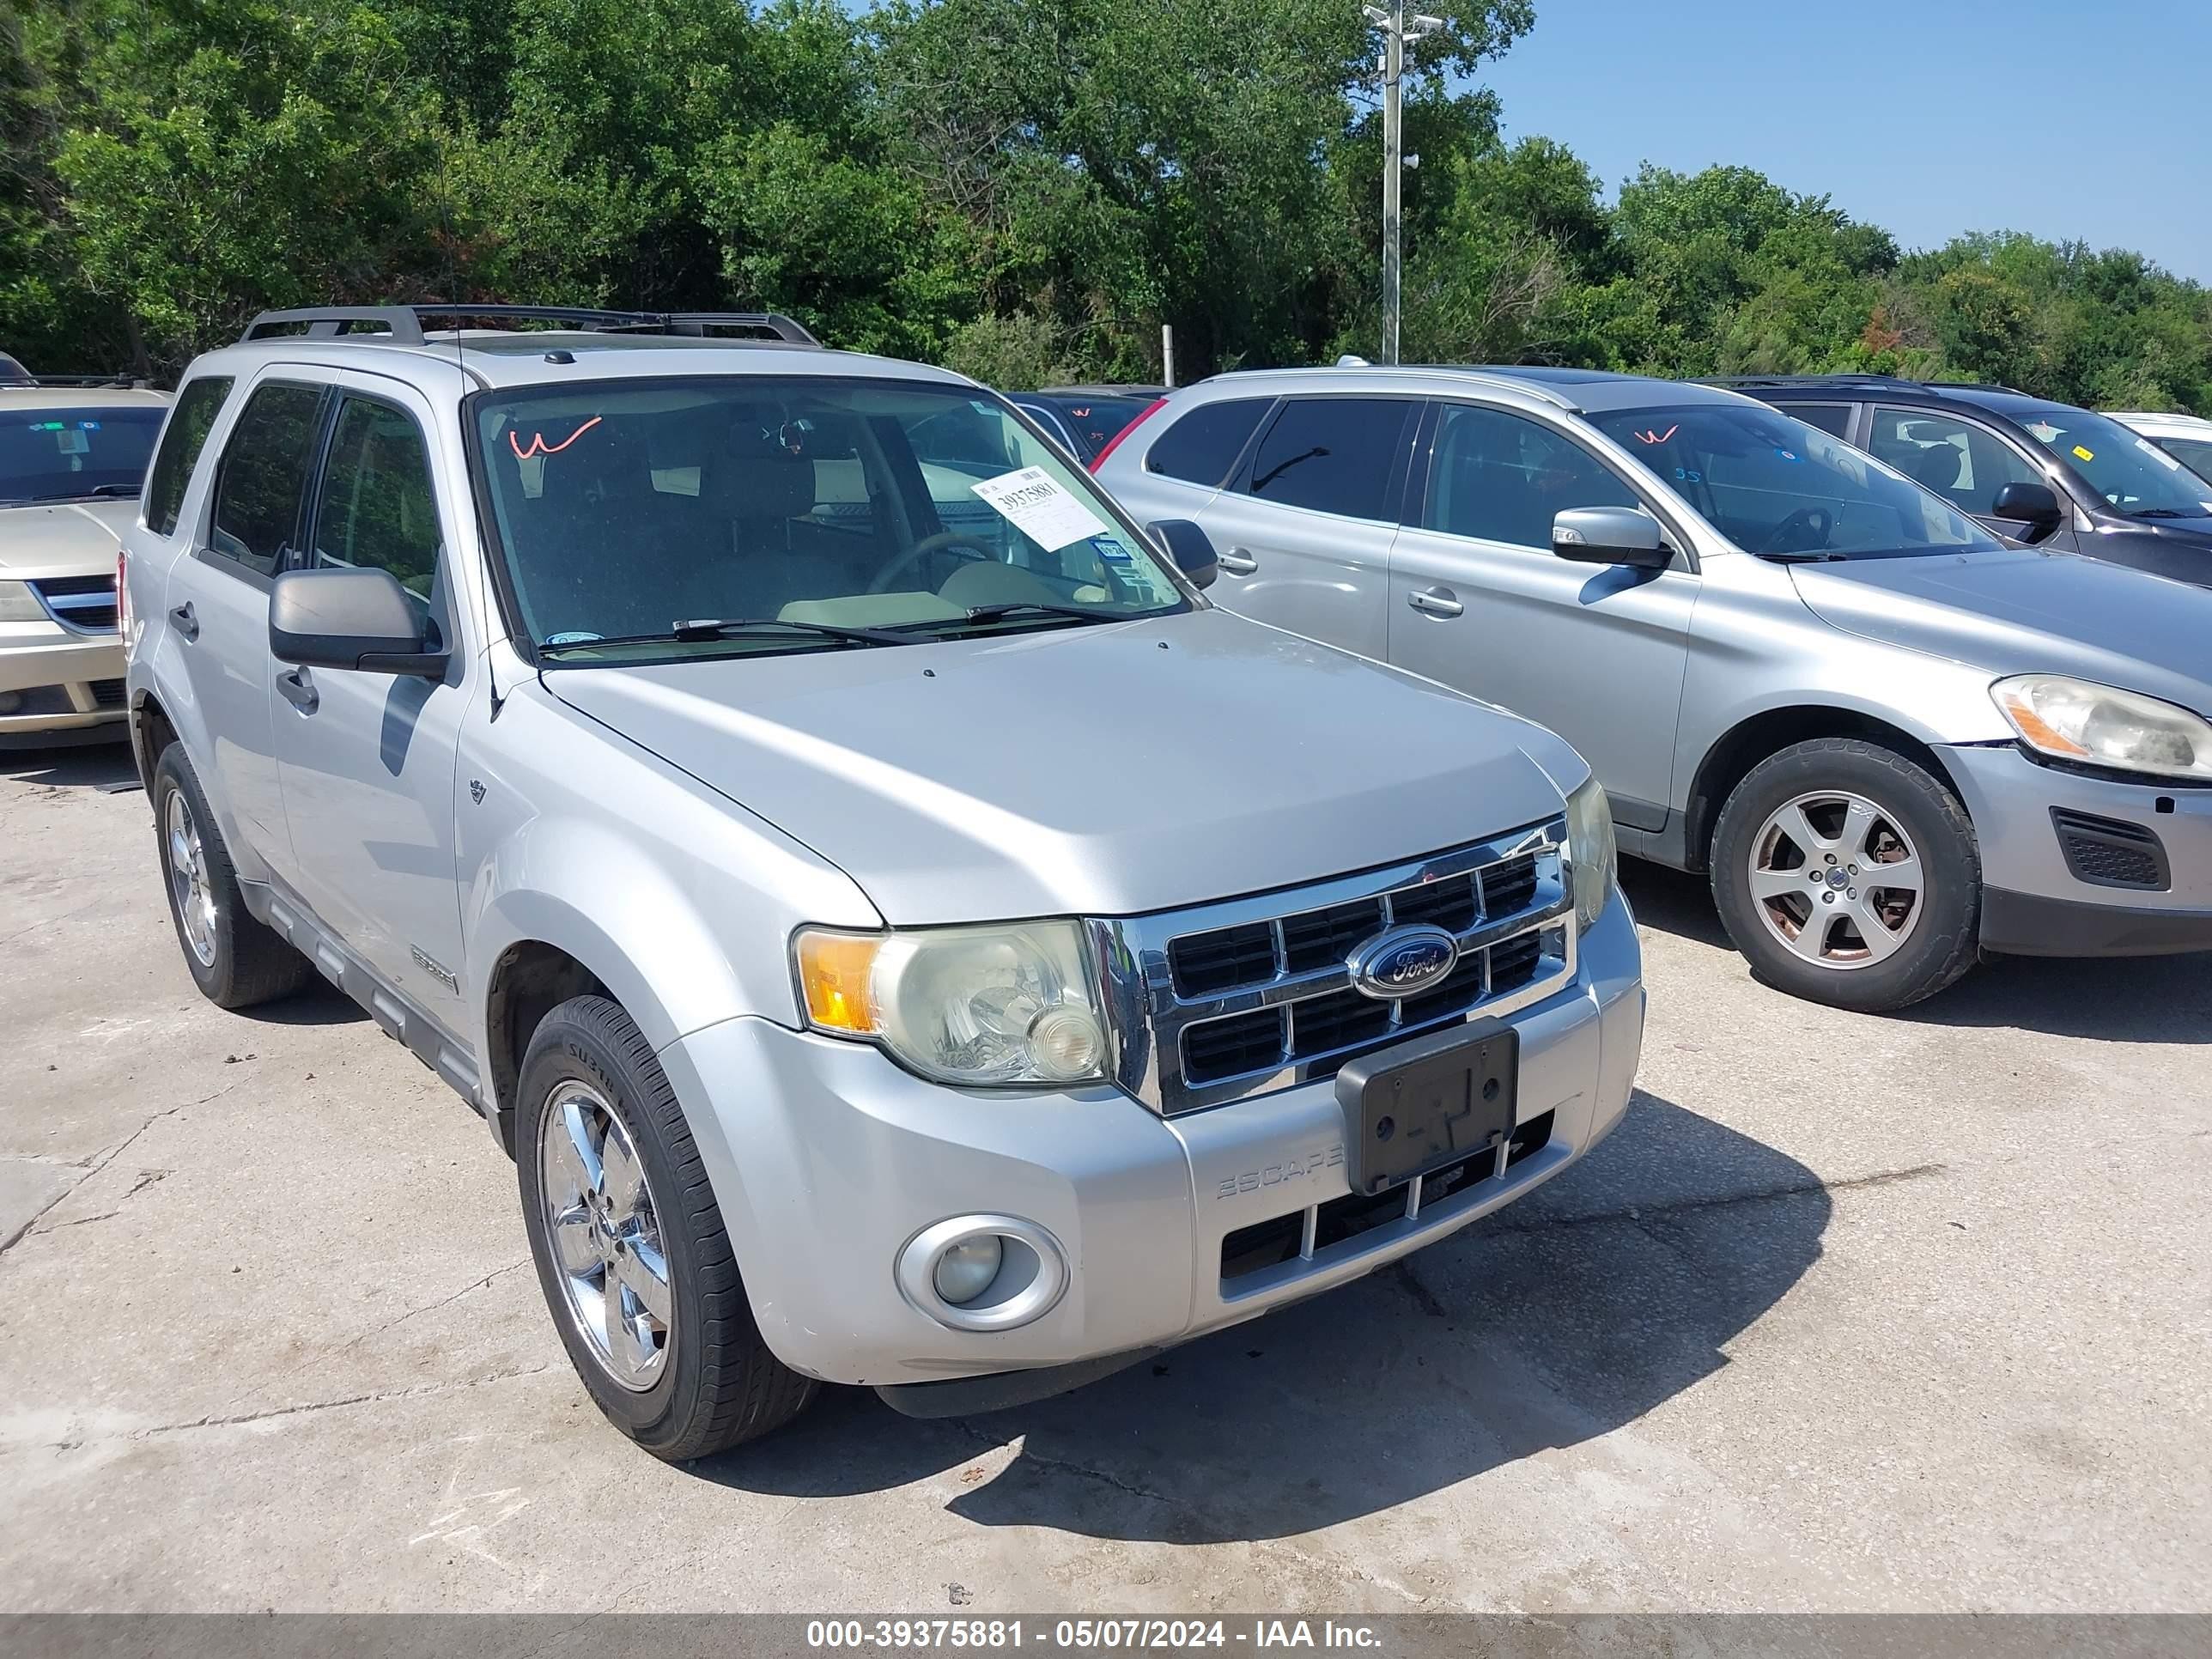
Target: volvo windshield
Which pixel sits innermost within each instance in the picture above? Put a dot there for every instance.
(757, 515)
(1778, 488)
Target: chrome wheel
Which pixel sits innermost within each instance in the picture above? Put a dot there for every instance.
(1837, 880)
(188, 877)
(605, 1233)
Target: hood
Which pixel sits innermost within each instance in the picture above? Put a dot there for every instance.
(63, 538)
(2019, 611)
(1098, 770)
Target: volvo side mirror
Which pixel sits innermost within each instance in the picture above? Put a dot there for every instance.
(1610, 535)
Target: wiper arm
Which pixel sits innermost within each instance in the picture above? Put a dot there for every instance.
(116, 490)
(692, 632)
(979, 613)
(1802, 558)
(2163, 513)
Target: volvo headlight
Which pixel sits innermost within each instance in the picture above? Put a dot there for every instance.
(2101, 725)
(19, 604)
(1590, 850)
(1012, 1005)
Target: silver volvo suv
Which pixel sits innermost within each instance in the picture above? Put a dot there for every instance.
(905, 934)
(1893, 740)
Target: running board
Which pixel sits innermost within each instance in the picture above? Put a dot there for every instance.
(395, 1014)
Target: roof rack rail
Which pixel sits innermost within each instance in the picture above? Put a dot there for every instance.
(403, 325)
(1849, 378)
(131, 382)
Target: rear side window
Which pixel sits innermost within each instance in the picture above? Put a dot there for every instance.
(1834, 419)
(1331, 454)
(1202, 446)
(197, 405)
(265, 470)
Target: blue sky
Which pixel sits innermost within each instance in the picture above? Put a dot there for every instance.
(2089, 120)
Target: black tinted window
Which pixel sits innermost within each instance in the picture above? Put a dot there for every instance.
(265, 468)
(1834, 419)
(378, 510)
(197, 405)
(1962, 464)
(1201, 447)
(1504, 478)
(1331, 454)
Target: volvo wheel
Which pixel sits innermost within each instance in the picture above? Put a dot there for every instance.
(630, 1247)
(1847, 873)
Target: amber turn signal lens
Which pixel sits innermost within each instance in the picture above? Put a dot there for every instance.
(833, 976)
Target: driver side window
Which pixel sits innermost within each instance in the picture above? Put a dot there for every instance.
(1501, 477)
(378, 510)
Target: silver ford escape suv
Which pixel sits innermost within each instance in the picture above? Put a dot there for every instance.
(905, 934)
(1893, 740)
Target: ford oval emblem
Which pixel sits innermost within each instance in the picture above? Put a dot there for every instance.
(1403, 962)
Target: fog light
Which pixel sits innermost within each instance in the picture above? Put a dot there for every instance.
(966, 1269)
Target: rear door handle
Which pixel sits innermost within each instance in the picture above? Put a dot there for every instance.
(299, 689)
(1238, 562)
(1435, 601)
(182, 619)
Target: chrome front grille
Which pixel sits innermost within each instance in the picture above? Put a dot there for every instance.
(1228, 1001)
(86, 603)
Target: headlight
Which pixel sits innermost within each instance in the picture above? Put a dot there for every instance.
(1010, 1005)
(2100, 725)
(19, 604)
(1591, 850)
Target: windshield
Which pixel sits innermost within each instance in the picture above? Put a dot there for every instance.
(2127, 469)
(2195, 453)
(627, 511)
(1096, 422)
(74, 454)
(1775, 486)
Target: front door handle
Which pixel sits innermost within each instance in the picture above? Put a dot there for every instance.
(182, 619)
(1434, 602)
(1237, 562)
(299, 689)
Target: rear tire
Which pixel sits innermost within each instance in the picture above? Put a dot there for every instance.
(616, 1200)
(1848, 874)
(234, 960)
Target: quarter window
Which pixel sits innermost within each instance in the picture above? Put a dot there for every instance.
(197, 405)
(264, 472)
(1504, 478)
(1331, 454)
(378, 510)
(1201, 446)
(1834, 419)
(1962, 464)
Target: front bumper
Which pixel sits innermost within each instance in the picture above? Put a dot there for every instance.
(2035, 903)
(826, 1159)
(54, 679)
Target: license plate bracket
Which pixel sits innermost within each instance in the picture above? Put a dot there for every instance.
(1420, 1105)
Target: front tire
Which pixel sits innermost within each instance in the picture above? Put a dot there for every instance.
(631, 1252)
(234, 960)
(1848, 874)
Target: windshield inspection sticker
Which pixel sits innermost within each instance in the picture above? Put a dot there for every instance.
(2086, 454)
(1040, 506)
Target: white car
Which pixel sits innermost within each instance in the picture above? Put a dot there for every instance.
(72, 463)
(2185, 437)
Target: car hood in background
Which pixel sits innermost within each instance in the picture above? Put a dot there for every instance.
(2023, 612)
(1097, 771)
(63, 538)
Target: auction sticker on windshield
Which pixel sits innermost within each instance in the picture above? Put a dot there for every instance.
(1040, 506)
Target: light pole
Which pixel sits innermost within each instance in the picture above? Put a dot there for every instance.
(1397, 29)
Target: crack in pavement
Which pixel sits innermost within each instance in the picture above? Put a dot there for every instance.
(432, 1307)
(420, 1391)
(1638, 1213)
(100, 1161)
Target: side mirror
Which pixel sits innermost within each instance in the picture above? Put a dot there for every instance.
(1189, 547)
(1610, 535)
(2033, 505)
(358, 619)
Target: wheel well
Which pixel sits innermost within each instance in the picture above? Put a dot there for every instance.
(151, 732)
(1729, 762)
(529, 982)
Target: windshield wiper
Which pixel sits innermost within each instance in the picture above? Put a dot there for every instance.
(1802, 558)
(2164, 512)
(981, 613)
(693, 632)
